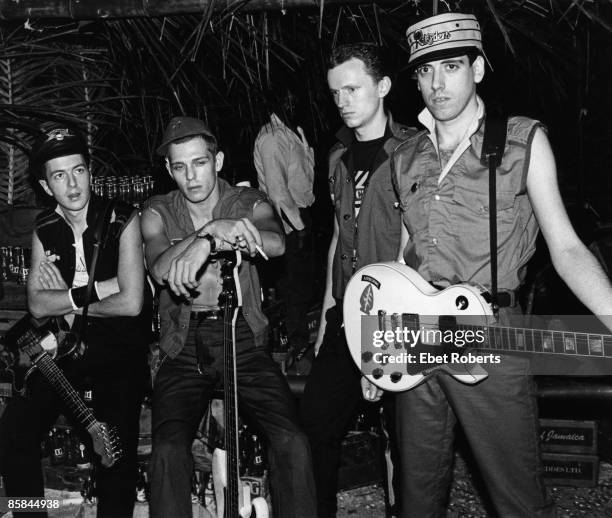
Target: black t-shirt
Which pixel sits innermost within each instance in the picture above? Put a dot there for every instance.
(364, 153)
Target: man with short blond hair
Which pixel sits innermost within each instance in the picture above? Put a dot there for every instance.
(367, 229)
(184, 233)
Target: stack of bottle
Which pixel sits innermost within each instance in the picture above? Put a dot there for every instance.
(65, 448)
(131, 189)
(252, 457)
(14, 264)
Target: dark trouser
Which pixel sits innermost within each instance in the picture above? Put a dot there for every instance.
(181, 395)
(295, 284)
(499, 417)
(331, 396)
(116, 401)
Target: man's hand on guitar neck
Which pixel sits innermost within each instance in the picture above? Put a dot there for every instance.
(370, 391)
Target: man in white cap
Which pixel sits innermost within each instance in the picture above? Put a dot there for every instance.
(445, 206)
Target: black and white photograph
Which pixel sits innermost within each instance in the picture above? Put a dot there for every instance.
(305, 259)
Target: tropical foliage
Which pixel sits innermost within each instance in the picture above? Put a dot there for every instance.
(121, 80)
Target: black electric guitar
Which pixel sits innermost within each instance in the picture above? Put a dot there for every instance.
(397, 325)
(233, 496)
(30, 347)
(52, 334)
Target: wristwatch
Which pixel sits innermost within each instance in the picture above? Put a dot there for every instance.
(211, 241)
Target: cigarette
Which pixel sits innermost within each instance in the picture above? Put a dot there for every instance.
(263, 254)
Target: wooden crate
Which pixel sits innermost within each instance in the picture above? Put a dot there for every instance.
(568, 436)
(566, 469)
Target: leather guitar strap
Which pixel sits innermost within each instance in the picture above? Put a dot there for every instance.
(493, 146)
(100, 236)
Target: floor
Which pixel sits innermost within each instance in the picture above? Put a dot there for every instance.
(368, 501)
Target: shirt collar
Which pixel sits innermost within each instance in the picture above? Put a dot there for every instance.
(347, 136)
(427, 120)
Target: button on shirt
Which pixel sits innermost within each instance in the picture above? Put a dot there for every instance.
(285, 169)
(446, 209)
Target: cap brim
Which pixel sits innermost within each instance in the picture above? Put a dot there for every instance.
(162, 148)
(57, 149)
(443, 54)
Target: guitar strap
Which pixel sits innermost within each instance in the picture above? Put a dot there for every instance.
(100, 236)
(493, 146)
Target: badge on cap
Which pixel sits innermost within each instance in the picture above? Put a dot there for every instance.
(59, 134)
(442, 36)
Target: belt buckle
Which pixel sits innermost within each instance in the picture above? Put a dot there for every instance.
(512, 295)
(212, 314)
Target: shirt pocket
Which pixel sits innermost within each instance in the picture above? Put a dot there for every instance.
(470, 215)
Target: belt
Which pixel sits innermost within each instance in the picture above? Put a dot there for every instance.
(213, 314)
(505, 298)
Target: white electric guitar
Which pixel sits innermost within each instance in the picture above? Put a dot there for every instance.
(233, 495)
(397, 336)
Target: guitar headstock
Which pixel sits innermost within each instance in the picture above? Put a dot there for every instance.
(230, 296)
(106, 443)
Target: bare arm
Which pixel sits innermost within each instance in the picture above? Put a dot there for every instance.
(130, 277)
(159, 252)
(328, 299)
(47, 291)
(121, 295)
(178, 265)
(574, 263)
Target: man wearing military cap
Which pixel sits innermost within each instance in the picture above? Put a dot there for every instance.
(183, 232)
(114, 363)
(444, 202)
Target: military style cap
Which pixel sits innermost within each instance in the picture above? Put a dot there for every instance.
(181, 127)
(443, 36)
(55, 141)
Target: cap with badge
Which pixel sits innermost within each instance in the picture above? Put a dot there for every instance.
(181, 127)
(443, 36)
(55, 141)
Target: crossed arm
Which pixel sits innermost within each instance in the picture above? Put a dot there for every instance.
(179, 264)
(120, 296)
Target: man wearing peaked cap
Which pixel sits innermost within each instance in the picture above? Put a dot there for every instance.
(114, 362)
(446, 35)
(445, 209)
(186, 232)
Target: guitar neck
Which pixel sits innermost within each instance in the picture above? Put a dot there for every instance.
(505, 338)
(231, 420)
(230, 391)
(56, 378)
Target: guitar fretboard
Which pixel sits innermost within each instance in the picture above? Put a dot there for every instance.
(230, 393)
(508, 338)
(503, 338)
(56, 377)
